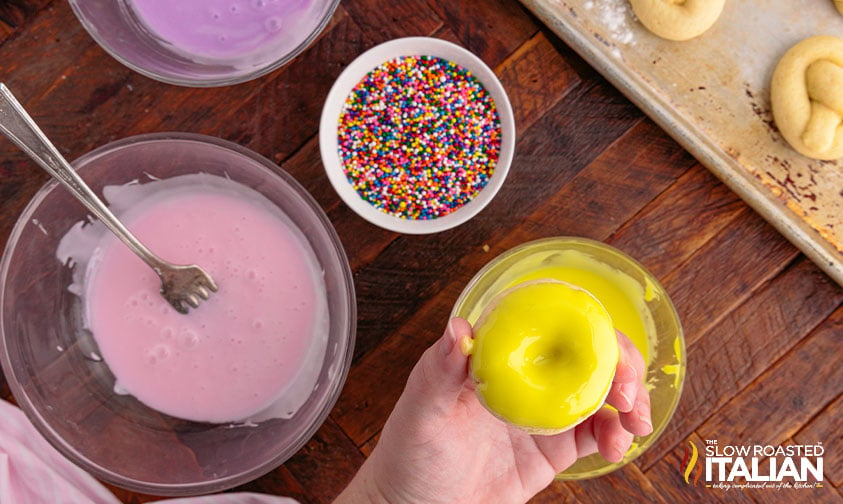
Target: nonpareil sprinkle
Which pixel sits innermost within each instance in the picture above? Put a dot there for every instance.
(419, 137)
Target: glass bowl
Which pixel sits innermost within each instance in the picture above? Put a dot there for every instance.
(51, 361)
(163, 47)
(622, 284)
(348, 80)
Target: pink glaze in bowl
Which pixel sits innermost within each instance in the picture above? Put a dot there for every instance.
(52, 363)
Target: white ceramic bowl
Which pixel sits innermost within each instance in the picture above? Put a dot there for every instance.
(355, 72)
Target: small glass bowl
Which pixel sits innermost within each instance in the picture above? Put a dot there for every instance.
(118, 29)
(666, 343)
(50, 360)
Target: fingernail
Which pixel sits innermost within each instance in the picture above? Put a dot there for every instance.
(630, 369)
(647, 421)
(619, 452)
(446, 344)
(644, 417)
(627, 401)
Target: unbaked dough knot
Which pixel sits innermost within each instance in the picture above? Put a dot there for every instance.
(824, 83)
(677, 19)
(806, 94)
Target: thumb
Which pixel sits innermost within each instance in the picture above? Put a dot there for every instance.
(443, 369)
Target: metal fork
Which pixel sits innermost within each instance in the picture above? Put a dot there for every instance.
(181, 285)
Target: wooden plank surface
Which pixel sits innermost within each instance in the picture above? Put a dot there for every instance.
(763, 325)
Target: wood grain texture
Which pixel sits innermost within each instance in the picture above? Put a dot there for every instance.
(382, 21)
(762, 323)
(493, 30)
(14, 13)
(326, 463)
(627, 484)
(536, 77)
(796, 387)
(827, 428)
(556, 493)
(739, 259)
(661, 235)
(637, 167)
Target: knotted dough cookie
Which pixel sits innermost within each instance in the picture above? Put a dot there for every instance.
(677, 19)
(807, 97)
(839, 5)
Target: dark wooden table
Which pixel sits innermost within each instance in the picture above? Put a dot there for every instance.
(764, 326)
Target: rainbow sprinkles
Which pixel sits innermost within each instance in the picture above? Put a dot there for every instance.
(419, 137)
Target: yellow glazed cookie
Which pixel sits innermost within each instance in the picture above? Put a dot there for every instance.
(807, 97)
(543, 356)
(677, 19)
(839, 5)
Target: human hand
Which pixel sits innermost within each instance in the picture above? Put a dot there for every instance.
(440, 444)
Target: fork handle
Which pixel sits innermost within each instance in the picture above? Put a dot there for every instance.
(19, 127)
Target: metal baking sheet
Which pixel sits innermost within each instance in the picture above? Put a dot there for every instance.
(712, 95)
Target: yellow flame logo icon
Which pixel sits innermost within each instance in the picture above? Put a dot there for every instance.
(689, 463)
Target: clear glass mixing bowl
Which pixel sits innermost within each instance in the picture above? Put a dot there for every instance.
(665, 340)
(49, 359)
(119, 30)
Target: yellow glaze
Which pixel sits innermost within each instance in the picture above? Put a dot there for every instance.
(544, 356)
(622, 296)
